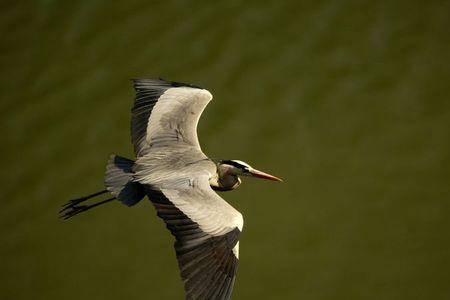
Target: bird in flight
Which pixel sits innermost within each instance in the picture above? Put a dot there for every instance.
(180, 181)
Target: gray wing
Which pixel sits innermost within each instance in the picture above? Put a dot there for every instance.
(206, 229)
(165, 113)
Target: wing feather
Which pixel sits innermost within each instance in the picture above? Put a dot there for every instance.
(207, 261)
(165, 112)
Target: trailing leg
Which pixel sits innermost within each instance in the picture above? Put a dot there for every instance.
(72, 210)
(77, 201)
(118, 181)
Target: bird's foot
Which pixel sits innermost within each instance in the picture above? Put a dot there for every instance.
(73, 202)
(71, 209)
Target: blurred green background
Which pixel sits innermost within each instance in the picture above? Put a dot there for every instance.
(348, 101)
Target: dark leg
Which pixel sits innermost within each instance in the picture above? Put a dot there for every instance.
(74, 202)
(74, 209)
(71, 207)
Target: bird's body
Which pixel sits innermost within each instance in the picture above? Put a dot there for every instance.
(179, 179)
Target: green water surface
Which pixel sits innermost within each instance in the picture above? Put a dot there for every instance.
(348, 101)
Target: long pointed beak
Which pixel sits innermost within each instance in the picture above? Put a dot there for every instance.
(259, 174)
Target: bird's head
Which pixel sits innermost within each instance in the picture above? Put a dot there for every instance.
(240, 168)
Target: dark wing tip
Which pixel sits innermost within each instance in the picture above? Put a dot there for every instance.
(142, 83)
(207, 263)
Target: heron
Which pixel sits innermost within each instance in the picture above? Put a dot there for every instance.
(181, 182)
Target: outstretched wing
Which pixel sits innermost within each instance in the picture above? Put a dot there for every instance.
(166, 112)
(207, 230)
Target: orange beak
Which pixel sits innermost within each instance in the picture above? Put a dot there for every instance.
(259, 174)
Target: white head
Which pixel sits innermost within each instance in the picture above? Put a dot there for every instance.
(238, 167)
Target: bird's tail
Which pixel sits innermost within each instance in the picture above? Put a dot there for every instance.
(119, 181)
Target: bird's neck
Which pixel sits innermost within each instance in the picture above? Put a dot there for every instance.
(226, 179)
